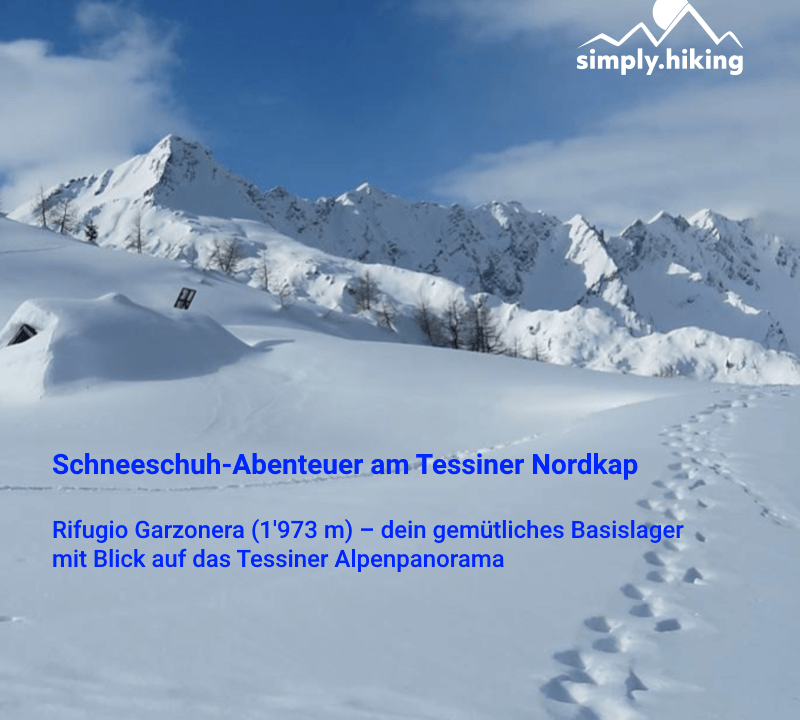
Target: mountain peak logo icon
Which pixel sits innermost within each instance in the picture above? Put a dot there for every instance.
(667, 14)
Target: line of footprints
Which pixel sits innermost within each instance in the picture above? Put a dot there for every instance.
(598, 680)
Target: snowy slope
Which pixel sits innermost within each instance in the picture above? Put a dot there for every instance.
(698, 628)
(79, 343)
(705, 297)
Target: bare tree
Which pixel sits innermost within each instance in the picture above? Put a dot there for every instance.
(455, 322)
(668, 371)
(41, 208)
(387, 312)
(429, 322)
(514, 350)
(364, 291)
(191, 256)
(261, 274)
(63, 216)
(227, 255)
(91, 232)
(482, 329)
(136, 237)
(285, 295)
(537, 353)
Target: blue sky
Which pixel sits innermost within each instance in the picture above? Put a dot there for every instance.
(321, 96)
(444, 99)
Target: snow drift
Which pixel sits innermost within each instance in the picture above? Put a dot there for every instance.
(84, 342)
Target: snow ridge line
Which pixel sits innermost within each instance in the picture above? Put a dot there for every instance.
(413, 465)
(599, 678)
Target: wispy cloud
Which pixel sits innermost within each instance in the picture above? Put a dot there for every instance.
(67, 115)
(734, 149)
(726, 143)
(492, 18)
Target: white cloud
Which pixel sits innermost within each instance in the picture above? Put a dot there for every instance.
(491, 18)
(729, 143)
(106, 17)
(68, 115)
(734, 149)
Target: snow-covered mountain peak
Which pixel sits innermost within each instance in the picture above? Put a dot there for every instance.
(369, 189)
(579, 224)
(665, 222)
(163, 166)
(176, 174)
(365, 194)
(704, 217)
(189, 179)
(173, 158)
(591, 299)
(717, 224)
(172, 144)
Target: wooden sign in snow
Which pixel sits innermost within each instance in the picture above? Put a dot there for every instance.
(185, 297)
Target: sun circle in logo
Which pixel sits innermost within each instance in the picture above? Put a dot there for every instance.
(665, 11)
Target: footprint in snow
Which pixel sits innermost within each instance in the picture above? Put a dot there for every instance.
(652, 558)
(607, 644)
(570, 658)
(634, 684)
(692, 575)
(598, 624)
(670, 625)
(642, 610)
(632, 592)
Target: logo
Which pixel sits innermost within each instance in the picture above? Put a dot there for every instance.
(667, 15)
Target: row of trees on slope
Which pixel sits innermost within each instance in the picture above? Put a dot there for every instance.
(462, 325)
(55, 213)
(59, 215)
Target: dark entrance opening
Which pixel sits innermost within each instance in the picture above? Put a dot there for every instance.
(25, 333)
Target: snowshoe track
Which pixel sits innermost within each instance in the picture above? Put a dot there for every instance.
(604, 675)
